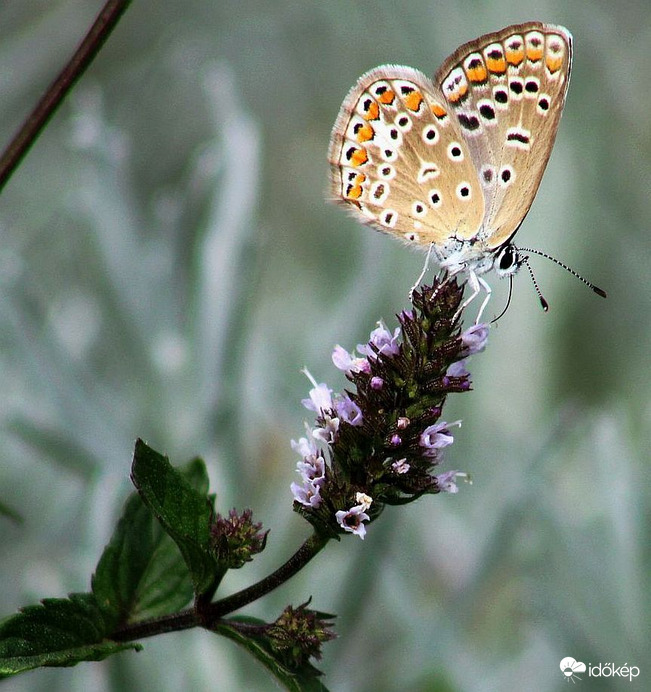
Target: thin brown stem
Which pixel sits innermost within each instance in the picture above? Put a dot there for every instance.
(56, 92)
(211, 613)
(296, 562)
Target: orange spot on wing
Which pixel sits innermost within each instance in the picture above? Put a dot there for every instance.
(413, 101)
(534, 52)
(496, 65)
(365, 132)
(372, 112)
(514, 56)
(387, 97)
(458, 93)
(358, 157)
(477, 74)
(438, 111)
(553, 63)
(354, 191)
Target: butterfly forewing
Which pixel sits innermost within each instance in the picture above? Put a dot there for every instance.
(508, 90)
(399, 160)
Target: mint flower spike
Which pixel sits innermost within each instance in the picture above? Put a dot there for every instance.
(383, 438)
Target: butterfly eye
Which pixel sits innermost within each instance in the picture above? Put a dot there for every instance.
(508, 261)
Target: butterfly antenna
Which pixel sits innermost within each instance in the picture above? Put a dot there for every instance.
(543, 302)
(508, 301)
(596, 289)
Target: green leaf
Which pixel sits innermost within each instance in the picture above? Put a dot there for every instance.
(184, 513)
(141, 573)
(60, 632)
(166, 586)
(124, 562)
(303, 679)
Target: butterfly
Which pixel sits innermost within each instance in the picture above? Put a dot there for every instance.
(452, 165)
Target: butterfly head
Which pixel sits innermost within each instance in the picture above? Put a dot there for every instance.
(508, 260)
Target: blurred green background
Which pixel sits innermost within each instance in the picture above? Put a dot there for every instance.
(168, 264)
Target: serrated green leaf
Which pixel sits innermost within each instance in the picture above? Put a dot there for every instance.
(166, 585)
(124, 561)
(59, 632)
(142, 573)
(306, 678)
(184, 513)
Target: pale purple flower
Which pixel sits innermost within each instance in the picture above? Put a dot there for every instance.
(377, 383)
(312, 465)
(446, 481)
(328, 431)
(396, 439)
(474, 338)
(351, 520)
(320, 396)
(320, 399)
(348, 362)
(401, 466)
(348, 411)
(312, 469)
(457, 369)
(305, 447)
(382, 339)
(436, 437)
(307, 494)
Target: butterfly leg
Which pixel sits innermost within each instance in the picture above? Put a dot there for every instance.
(422, 274)
(476, 284)
(486, 288)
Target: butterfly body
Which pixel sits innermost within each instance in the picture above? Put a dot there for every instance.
(453, 164)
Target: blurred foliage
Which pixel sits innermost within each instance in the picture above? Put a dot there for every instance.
(168, 264)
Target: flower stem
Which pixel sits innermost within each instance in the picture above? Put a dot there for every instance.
(211, 613)
(56, 92)
(296, 562)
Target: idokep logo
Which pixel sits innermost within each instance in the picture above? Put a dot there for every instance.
(571, 668)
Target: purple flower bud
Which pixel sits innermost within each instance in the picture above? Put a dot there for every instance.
(377, 383)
